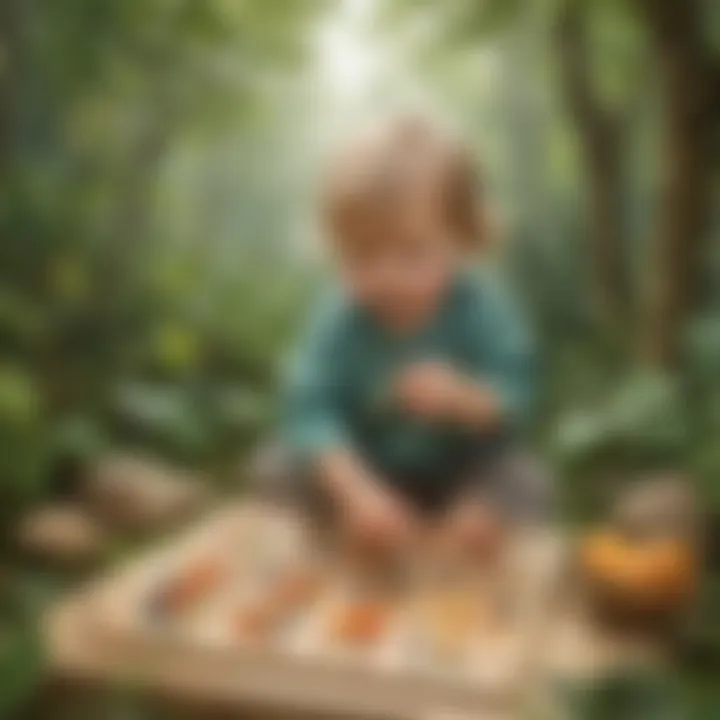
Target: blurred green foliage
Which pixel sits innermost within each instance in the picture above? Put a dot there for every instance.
(141, 299)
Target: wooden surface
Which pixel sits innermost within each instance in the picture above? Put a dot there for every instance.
(559, 641)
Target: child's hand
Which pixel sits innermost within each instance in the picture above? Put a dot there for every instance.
(437, 391)
(377, 520)
(472, 528)
(372, 516)
(430, 389)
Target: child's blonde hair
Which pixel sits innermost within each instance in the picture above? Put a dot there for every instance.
(366, 174)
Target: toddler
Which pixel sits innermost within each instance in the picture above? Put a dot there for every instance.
(412, 384)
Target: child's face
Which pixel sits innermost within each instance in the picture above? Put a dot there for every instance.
(398, 260)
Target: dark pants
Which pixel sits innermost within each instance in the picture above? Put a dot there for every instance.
(510, 479)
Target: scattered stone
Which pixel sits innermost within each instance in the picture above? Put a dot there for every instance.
(142, 494)
(664, 505)
(62, 535)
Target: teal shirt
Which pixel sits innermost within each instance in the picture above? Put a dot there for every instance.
(338, 383)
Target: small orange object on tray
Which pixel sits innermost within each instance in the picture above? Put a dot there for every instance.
(255, 622)
(194, 584)
(448, 618)
(291, 594)
(360, 622)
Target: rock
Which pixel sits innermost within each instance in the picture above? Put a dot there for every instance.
(62, 534)
(661, 505)
(136, 493)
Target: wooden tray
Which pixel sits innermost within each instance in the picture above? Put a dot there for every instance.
(102, 633)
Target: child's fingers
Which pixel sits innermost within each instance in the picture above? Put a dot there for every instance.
(473, 528)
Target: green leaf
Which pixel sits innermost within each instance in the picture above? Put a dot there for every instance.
(635, 696)
(163, 414)
(20, 402)
(643, 413)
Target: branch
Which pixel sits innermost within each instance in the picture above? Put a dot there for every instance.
(600, 136)
(715, 90)
(677, 29)
(599, 127)
(10, 28)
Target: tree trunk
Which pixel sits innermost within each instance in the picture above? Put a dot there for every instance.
(600, 136)
(9, 32)
(687, 75)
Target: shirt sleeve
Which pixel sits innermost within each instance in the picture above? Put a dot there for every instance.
(503, 352)
(312, 417)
